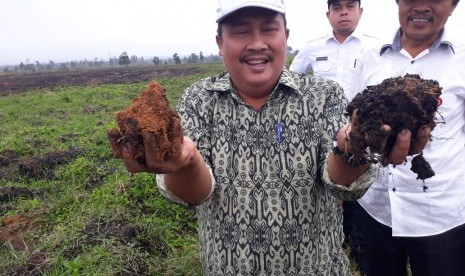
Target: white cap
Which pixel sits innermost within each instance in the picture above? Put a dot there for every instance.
(226, 7)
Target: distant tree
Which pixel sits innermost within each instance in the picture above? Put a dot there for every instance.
(112, 61)
(134, 59)
(176, 58)
(291, 52)
(124, 59)
(63, 67)
(214, 58)
(156, 60)
(193, 58)
(22, 66)
(201, 57)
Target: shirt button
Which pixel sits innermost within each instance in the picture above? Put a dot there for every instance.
(412, 62)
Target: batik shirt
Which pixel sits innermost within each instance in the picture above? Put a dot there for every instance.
(273, 209)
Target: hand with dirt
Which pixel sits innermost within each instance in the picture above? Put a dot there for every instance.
(149, 125)
(149, 138)
(342, 173)
(176, 162)
(408, 106)
(402, 146)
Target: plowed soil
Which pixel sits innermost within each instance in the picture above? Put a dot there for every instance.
(22, 82)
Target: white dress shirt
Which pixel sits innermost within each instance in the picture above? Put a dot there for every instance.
(397, 199)
(328, 58)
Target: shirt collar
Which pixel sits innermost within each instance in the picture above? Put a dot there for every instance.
(356, 34)
(396, 44)
(222, 82)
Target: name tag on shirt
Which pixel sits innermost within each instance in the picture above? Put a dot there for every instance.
(321, 58)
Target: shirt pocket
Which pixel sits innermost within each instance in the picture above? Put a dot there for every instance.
(322, 66)
(352, 64)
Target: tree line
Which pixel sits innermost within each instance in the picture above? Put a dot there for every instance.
(122, 60)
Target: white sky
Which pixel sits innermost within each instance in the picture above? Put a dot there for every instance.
(65, 30)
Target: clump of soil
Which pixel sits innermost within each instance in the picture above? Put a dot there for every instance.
(408, 102)
(9, 193)
(149, 125)
(13, 230)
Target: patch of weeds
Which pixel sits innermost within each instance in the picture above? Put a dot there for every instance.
(86, 173)
(67, 137)
(9, 161)
(100, 229)
(43, 166)
(15, 264)
(116, 238)
(66, 99)
(10, 193)
(143, 191)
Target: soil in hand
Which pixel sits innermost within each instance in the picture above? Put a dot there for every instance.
(407, 102)
(149, 125)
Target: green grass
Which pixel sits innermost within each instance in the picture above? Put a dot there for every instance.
(83, 213)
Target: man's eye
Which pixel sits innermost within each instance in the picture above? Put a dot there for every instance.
(270, 30)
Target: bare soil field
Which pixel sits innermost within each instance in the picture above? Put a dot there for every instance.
(22, 82)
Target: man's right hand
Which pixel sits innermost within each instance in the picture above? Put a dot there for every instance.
(179, 160)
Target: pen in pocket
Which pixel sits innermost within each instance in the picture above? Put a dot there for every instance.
(279, 132)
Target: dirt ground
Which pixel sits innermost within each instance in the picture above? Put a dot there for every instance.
(21, 82)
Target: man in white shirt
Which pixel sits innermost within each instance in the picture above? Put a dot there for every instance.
(334, 56)
(405, 218)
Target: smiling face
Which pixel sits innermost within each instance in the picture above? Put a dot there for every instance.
(344, 17)
(422, 20)
(253, 44)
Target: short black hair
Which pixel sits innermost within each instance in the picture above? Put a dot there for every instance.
(331, 2)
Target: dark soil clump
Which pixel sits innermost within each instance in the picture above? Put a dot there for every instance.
(43, 166)
(8, 193)
(408, 102)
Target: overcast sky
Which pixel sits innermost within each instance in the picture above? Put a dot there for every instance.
(65, 30)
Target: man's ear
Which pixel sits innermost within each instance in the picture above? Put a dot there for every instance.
(219, 42)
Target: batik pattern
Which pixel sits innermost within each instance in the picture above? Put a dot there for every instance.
(271, 212)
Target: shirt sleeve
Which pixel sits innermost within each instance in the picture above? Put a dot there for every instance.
(193, 112)
(172, 197)
(357, 188)
(301, 62)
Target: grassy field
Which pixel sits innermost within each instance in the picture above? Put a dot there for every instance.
(67, 206)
